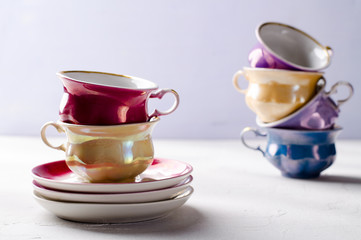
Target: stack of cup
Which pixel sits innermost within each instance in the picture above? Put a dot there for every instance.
(287, 92)
(109, 140)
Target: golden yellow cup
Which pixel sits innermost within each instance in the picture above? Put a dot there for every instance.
(106, 153)
(273, 93)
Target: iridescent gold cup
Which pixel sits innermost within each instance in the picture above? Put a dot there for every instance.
(106, 153)
(273, 93)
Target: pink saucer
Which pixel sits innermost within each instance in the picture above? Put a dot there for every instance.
(162, 173)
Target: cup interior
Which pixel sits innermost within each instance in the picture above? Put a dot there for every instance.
(293, 46)
(108, 79)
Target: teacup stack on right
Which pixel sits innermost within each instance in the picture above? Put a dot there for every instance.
(287, 91)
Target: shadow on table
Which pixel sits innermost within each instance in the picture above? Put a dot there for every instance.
(338, 179)
(181, 220)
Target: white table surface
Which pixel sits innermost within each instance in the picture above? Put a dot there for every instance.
(238, 195)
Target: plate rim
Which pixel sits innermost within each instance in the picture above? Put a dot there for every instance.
(156, 210)
(110, 187)
(52, 194)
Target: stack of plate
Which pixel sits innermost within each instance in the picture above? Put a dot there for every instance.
(155, 193)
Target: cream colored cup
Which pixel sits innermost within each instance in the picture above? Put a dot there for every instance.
(106, 153)
(273, 93)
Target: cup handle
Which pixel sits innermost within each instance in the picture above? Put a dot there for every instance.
(45, 140)
(321, 82)
(235, 82)
(334, 91)
(257, 133)
(329, 50)
(159, 94)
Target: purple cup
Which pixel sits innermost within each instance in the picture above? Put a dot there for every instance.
(320, 113)
(259, 57)
(284, 47)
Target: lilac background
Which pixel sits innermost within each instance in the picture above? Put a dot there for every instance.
(191, 46)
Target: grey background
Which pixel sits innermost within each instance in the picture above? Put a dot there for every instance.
(192, 46)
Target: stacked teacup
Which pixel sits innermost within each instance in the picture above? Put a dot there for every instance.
(287, 92)
(109, 153)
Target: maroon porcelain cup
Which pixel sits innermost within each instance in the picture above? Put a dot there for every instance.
(98, 98)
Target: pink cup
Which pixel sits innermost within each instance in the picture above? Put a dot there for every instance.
(98, 98)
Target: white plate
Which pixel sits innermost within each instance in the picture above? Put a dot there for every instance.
(136, 197)
(162, 173)
(113, 212)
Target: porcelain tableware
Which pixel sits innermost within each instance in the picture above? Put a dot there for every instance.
(98, 98)
(285, 47)
(274, 94)
(297, 153)
(321, 112)
(162, 173)
(113, 212)
(135, 197)
(106, 153)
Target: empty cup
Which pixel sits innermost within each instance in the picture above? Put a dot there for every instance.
(273, 93)
(297, 153)
(285, 47)
(97, 98)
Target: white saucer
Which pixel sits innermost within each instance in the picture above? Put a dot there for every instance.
(113, 212)
(163, 173)
(136, 197)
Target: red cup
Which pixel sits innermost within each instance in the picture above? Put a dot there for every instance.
(98, 98)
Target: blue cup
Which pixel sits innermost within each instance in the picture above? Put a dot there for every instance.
(297, 153)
